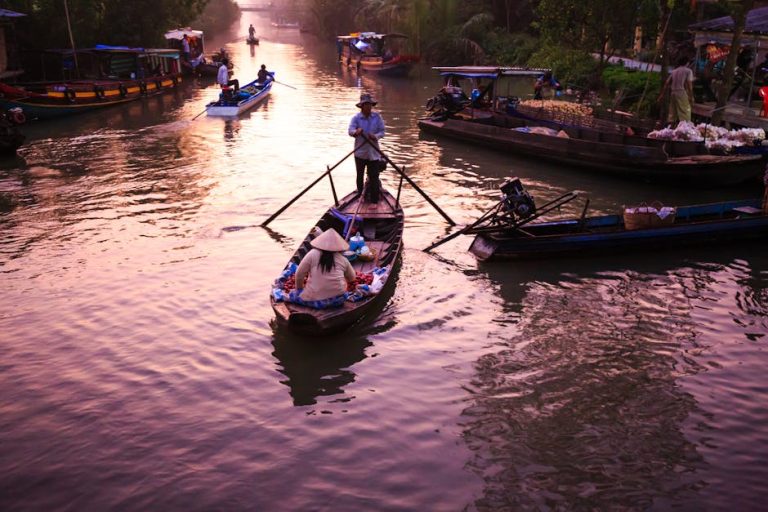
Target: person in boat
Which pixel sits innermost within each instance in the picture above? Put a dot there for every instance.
(222, 78)
(185, 48)
(263, 74)
(251, 32)
(326, 269)
(679, 84)
(369, 125)
(546, 85)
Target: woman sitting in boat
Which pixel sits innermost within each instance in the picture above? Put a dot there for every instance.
(328, 270)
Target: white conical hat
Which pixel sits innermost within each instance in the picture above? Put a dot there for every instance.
(330, 240)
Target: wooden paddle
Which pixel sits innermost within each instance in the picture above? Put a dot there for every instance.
(326, 173)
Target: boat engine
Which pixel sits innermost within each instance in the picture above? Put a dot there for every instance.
(517, 200)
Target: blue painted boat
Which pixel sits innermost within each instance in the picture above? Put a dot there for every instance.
(707, 224)
(244, 99)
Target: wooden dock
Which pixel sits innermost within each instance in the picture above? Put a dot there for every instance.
(736, 115)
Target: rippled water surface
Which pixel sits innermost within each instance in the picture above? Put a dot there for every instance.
(140, 368)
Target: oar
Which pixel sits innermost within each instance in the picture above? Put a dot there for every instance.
(410, 181)
(289, 203)
(201, 113)
(281, 83)
(354, 218)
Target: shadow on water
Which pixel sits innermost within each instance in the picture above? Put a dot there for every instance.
(584, 406)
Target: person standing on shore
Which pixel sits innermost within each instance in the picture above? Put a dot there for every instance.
(369, 125)
(679, 85)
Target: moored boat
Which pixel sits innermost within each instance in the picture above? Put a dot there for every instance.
(112, 75)
(375, 53)
(599, 152)
(508, 231)
(198, 64)
(241, 100)
(381, 226)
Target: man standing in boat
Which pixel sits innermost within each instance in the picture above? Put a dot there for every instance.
(367, 127)
(222, 78)
(185, 47)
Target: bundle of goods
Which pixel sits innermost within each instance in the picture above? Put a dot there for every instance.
(715, 138)
(644, 216)
(565, 107)
(563, 112)
(360, 278)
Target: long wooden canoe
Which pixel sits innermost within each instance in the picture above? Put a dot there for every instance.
(381, 225)
(647, 163)
(712, 224)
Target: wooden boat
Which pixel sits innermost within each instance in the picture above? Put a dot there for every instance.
(114, 75)
(199, 64)
(252, 40)
(246, 98)
(382, 228)
(598, 153)
(285, 24)
(712, 224)
(375, 53)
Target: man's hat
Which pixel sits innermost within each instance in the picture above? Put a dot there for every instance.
(330, 240)
(366, 98)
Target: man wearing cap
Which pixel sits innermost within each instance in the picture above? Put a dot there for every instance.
(369, 125)
(328, 269)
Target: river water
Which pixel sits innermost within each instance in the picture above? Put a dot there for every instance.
(140, 367)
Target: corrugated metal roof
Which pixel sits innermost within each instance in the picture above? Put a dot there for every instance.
(757, 23)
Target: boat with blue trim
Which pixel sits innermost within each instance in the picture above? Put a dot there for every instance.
(100, 77)
(234, 102)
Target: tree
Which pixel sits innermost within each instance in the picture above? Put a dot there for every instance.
(740, 11)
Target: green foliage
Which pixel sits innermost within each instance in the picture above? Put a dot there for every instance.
(217, 16)
(507, 49)
(118, 22)
(570, 67)
(629, 85)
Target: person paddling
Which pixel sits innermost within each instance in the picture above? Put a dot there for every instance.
(369, 125)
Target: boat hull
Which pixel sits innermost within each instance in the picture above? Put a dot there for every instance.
(646, 163)
(73, 100)
(712, 224)
(214, 109)
(387, 223)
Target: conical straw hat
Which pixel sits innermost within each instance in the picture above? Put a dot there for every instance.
(330, 240)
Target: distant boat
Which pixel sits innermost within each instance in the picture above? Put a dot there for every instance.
(375, 53)
(286, 24)
(252, 40)
(244, 99)
(112, 75)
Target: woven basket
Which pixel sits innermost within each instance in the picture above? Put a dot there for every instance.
(645, 216)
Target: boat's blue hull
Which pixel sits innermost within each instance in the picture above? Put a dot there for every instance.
(695, 225)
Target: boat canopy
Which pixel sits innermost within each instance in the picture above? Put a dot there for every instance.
(371, 35)
(180, 32)
(488, 71)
